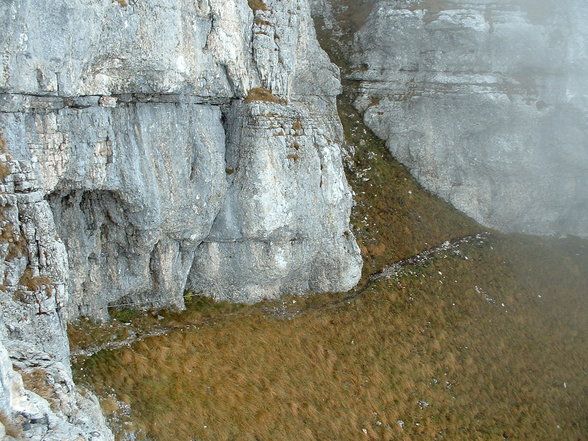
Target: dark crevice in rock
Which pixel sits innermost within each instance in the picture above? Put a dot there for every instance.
(18, 102)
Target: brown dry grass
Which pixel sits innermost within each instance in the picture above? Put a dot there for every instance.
(10, 428)
(485, 370)
(3, 145)
(375, 101)
(36, 381)
(85, 334)
(4, 170)
(394, 218)
(355, 370)
(297, 125)
(17, 244)
(33, 283)
(261, 22)
(257, 5)
(263, 94)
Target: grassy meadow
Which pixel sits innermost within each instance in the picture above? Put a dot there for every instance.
(485, 343)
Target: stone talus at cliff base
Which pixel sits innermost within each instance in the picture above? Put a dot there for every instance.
(486, 103)
(136, 170)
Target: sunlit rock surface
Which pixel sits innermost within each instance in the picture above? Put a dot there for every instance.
(143, 148)
(133, 168)
(284, 223)
(486, 102)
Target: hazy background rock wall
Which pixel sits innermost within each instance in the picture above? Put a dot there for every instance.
(486, 103)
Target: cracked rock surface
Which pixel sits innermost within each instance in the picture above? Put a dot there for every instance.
(147, 148)
(38, 399)
(159, 174)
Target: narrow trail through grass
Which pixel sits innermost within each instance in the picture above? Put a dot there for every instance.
(483, 342)
(122, 334)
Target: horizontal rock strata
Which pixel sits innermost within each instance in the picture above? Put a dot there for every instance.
(149, 148)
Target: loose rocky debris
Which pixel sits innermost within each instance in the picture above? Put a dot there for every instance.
(450, 246)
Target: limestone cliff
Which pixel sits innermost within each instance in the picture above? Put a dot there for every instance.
(486, 103)
(33, 342)
(155, 167)
(151, 147)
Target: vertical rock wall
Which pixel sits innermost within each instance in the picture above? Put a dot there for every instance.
(486, 103)
(281, 227)
(150, 147)
(33, 340)
(153, 165)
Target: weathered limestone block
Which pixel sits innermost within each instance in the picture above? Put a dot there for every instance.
(128, 186)
(132, 150)
(284, 225)
(83, 47)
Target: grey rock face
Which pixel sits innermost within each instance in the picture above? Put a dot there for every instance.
(133, 190)
(100, 48)
(486, 103)
(284, 226)
(63, 413)
(132, 169)
(33, 340)
(127, 126)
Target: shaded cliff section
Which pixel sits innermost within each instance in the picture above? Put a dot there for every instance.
(484, 102)
(150, 148)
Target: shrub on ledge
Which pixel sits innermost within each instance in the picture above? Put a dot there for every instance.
(263, 94)
(257, 5)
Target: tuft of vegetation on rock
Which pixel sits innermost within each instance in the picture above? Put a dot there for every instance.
(257, 5)
(263, 94)
(33, 283)
(10, 428)
(4, 169)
